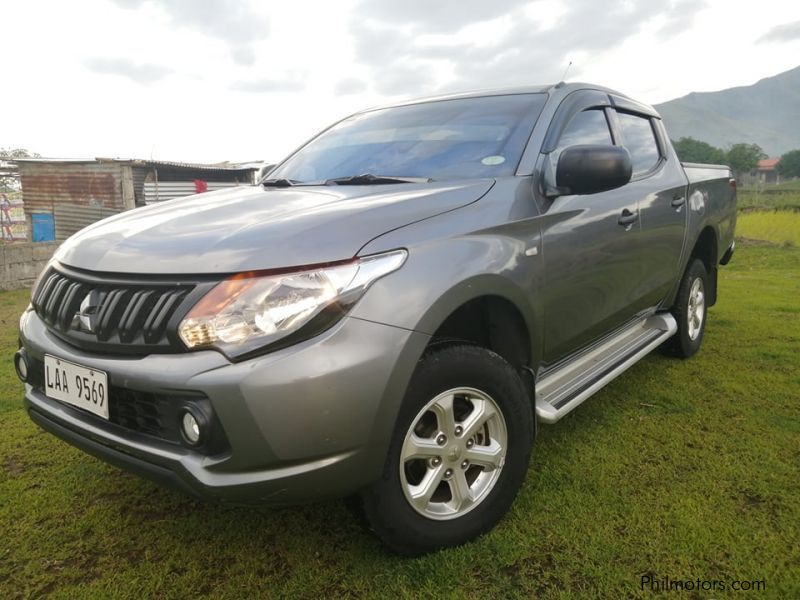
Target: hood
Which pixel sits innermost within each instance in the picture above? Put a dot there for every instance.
(252, 228)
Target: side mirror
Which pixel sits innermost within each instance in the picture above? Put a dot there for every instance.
(593, 169)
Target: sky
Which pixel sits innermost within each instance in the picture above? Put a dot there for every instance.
(241, 80)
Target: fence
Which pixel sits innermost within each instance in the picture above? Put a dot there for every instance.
(21, 263)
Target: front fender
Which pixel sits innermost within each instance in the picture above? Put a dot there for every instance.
(440, 276)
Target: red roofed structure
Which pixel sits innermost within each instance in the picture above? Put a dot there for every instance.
(768, 164)
(766, 172)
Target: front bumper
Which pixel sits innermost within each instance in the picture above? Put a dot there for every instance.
(310, 421)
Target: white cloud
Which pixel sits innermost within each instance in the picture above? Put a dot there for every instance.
(135, 71)
(241, 80)
(266, 85)
(786, 32)
(350, 85)
(235, 22)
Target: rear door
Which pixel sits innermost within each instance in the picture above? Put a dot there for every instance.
(659, 183)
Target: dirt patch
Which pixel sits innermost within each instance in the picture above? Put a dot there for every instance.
(13, 466)
(743, 241)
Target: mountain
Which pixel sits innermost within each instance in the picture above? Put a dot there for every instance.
(766, 113)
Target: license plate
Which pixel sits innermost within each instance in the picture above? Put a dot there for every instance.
(76, 385)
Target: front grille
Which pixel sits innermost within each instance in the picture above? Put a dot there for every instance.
(115, 315)
(156, 415)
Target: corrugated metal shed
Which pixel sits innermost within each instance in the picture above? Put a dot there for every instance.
(223, 167)
(168, 180)
(115, 184)
(45, 184)
(169, 190)
(139, 176)
(71, 218)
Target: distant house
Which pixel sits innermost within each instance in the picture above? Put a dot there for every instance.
(766, 172)
(65, 195)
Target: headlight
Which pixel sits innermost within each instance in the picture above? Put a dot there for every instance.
(249, 311)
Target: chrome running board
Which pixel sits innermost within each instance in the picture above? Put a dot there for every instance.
(562, 390)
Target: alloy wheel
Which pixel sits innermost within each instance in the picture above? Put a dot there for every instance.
(453, 453)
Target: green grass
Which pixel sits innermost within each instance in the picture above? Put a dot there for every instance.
(780, 227)
(680, 469)
(771, 198)
(787, 186)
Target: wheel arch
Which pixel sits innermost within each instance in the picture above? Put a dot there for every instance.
(490, 321)
(483, 309)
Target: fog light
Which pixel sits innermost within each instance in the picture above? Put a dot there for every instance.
(191, 428)
(21, 365)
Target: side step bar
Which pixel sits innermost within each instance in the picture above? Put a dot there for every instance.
(562, 390)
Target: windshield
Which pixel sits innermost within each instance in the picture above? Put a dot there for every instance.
(446, 139)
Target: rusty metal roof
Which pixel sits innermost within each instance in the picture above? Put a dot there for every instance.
(71, 161)
(222, 166)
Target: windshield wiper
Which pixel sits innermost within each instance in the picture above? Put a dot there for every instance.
(279, 182)
(370, 179)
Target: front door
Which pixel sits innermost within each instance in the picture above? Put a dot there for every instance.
(590, 247)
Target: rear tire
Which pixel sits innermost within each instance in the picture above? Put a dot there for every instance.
(690, 312)
(458, 455)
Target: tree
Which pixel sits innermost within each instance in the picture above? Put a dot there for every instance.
(9, 182)
(17, 153)
(743, 158)
(790, 164)
(695, 151)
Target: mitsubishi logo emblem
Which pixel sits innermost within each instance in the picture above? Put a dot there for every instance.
(87, 314)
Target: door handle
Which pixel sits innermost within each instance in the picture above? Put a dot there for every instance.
(678, 201)
(627, 218)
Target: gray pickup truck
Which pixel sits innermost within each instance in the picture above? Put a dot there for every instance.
(389, 314)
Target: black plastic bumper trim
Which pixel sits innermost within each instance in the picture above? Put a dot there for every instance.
(156, 473)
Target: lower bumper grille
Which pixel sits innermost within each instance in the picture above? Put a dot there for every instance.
(145, 413)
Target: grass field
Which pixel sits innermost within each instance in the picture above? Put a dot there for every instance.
(681, 469)
(780, 227)
(782, 197)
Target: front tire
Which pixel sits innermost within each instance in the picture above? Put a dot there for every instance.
(690, 312)
(458, 455)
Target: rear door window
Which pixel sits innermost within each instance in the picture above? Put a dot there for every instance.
(640, 140)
